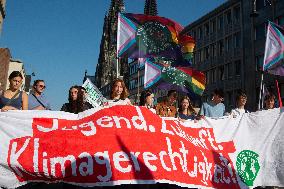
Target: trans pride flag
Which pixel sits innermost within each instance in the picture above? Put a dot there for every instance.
(274, 50)
(165, 76)
(141, 36)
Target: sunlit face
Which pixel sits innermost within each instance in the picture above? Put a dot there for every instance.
(269, 103)
(16, 82)
(217, 99)
(40, 86)
(172, 99)
(184, 104)
(150, 100)
(242, 101)
(74, 93)
(117, 89)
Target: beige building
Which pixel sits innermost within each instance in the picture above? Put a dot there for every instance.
(2, 13)
(7, 66)
(5, 57)
(16, 65)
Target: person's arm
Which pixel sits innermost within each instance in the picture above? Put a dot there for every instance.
(25, 101)
(64, 108)
(201, 111)
(128, 102)
(40, 107)
(224, 110)
(6, 108)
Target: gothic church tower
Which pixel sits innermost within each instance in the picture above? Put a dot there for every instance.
(106, 67)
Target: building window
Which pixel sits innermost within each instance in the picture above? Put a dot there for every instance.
(238, 67)
(207, 53)
(237, 40)
(220, 47)
(213, 75)
(228, 17)
(199, 55)
(226, 71)
(194, 57)
(258, 62)
(228, 43)
(230, 70)
(221, 73)
(259, 31)
(141, 81)
(213, 50)
(202, 52)
(237, 14)
(260, 4)
(200, 34)
(206, 28)
(230, 100)
(212, 26)
(280, 21)
(194, 34)
(220, 22)
(208, 77)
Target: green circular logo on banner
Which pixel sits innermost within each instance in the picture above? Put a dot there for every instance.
(153, 37)
(248, 166)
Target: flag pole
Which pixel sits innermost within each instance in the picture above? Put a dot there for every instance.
(279, 95)
(260, 93)
(138, 73)
(117, 58)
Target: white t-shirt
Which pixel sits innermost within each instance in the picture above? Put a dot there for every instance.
(237, 111)
(119, 102)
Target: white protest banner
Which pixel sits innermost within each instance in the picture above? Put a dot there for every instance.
(94, 97)
(129, 144)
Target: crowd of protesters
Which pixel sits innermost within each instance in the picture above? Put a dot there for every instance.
(15, 99)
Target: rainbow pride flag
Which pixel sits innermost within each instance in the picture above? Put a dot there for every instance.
(141, 36)
(165, 76)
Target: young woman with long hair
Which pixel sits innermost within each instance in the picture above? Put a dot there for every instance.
(147, 100)
(119, 93)
(75, 101)
(13, 98)
(186, 110)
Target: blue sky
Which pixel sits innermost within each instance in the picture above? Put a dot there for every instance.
(59, 39)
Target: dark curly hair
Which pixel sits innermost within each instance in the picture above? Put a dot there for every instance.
(144, 95)
(76, 106)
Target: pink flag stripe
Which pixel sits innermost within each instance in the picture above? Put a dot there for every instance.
(269, 59)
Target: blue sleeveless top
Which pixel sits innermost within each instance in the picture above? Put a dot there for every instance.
(16, 102)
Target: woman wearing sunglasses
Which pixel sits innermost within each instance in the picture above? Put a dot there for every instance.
(37, 100)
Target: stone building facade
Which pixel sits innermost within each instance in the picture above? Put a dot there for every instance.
(7, 66)
(5, 57)
(230, 44)
(107, 62)
(2, 13)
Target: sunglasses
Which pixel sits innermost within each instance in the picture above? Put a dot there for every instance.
(42, 86)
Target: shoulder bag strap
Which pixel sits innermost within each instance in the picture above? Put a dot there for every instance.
(39, 101)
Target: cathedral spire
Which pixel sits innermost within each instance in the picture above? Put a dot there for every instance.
(150, 7)
(115, 7)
